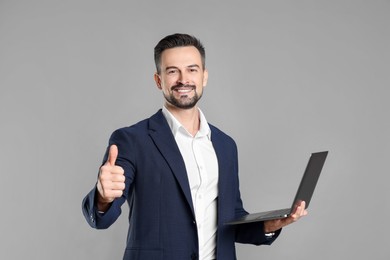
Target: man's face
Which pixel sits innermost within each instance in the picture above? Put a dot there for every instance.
(182, 77)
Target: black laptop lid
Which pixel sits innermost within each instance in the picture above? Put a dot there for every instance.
(310, 178)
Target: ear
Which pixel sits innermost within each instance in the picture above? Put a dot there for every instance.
(205, 77)
(157, 79)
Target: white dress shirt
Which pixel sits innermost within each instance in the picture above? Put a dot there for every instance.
(202, 171)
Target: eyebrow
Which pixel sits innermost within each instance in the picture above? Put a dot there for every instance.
(189, 66)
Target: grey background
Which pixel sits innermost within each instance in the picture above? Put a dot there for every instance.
(286, 78)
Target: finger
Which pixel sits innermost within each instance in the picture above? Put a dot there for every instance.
(112, 155)
(299, 211)
(107, 170)
(303, 205)
(117, 170)
(299, 208)
(109, 188)
(118, 186)
(302, 209)
(117, 193)
(114, 193)
(118, 178)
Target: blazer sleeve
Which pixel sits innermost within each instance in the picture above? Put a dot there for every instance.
(252, 233)
(126, 160)
(248, 233)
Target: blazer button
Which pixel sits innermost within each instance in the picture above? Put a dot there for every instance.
(194, 256)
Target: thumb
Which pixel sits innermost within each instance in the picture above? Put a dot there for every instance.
(112, 155)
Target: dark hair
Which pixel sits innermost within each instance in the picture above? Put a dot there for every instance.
(177, 40)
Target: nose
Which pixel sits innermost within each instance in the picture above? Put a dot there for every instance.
(183, 78)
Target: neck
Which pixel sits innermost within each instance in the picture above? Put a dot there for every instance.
(189, 118)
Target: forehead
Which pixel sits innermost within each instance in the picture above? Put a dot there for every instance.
(181, 56)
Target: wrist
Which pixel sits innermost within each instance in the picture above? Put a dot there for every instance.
(267, 228)
(101, 204)
(102, 207)
(269, 234)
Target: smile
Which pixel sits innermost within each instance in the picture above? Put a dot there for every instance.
(184, 90)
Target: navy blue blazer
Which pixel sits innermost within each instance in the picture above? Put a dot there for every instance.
(162, 222)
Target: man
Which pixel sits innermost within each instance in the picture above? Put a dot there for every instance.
(178, 173)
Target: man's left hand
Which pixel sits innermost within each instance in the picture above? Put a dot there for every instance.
(276, 224)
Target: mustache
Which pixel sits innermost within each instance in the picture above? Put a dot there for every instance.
(183, 86)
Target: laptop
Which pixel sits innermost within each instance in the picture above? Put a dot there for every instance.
(304, 193)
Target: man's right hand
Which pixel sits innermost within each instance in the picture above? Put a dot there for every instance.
(111, 181)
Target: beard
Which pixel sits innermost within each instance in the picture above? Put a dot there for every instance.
(183, 102)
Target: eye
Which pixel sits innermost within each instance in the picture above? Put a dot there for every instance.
(171, 71)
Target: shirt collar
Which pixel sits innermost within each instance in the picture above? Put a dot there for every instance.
(175, 125)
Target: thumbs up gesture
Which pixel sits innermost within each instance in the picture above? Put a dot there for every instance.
(111, 181)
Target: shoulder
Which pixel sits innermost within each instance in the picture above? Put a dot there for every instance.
(137, 129)
(217, 135)
(140, 128)
(135, 133)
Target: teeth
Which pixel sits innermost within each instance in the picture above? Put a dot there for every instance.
(184, 90)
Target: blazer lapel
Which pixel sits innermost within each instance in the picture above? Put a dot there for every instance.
(162, 136)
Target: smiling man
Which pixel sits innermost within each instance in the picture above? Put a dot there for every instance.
(181, 76)
(178, 173)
